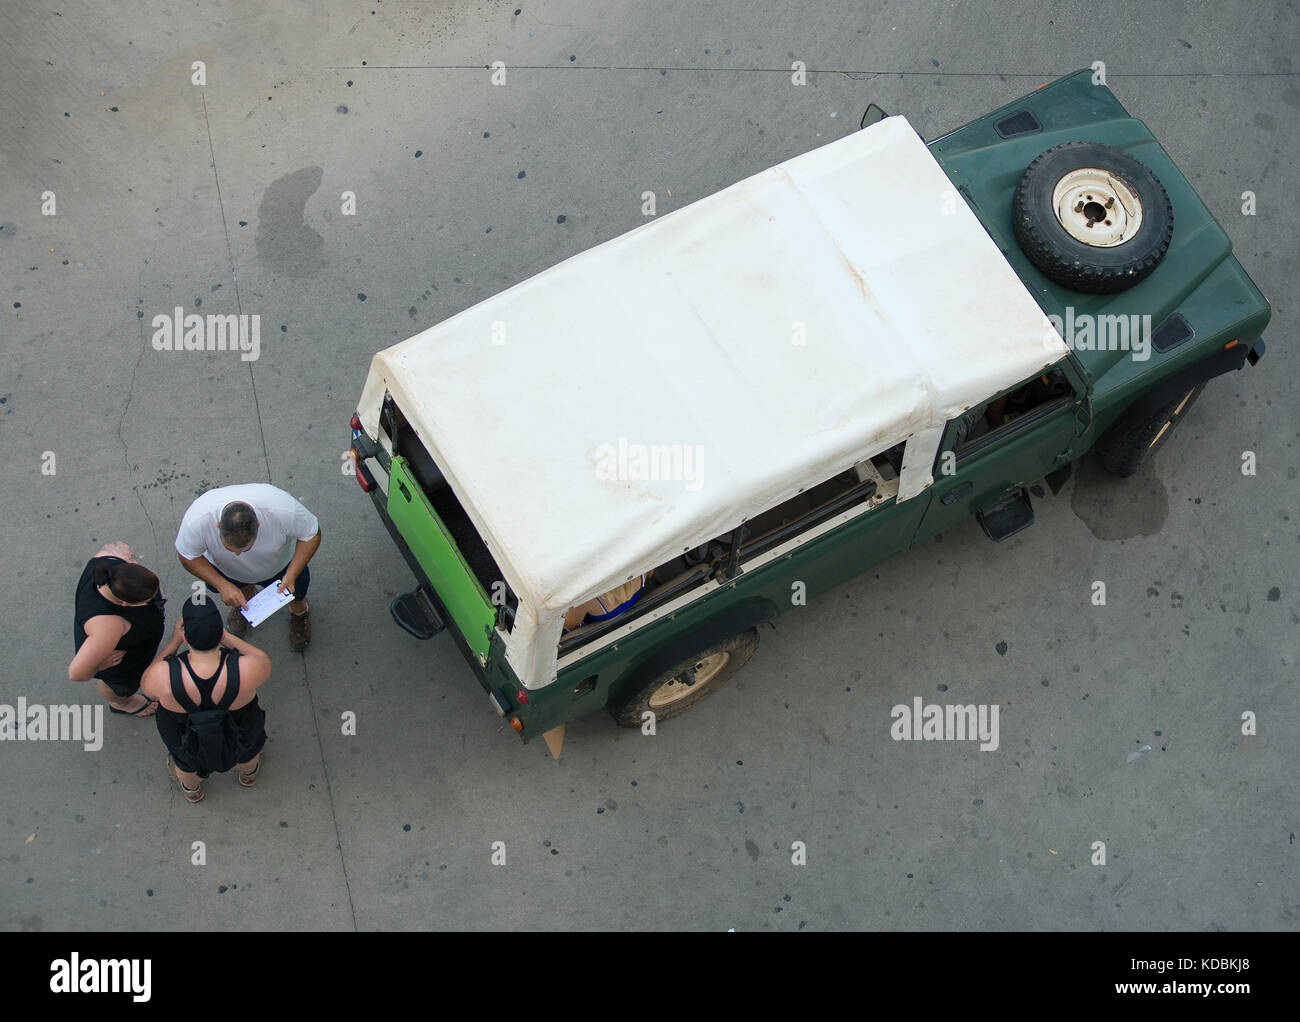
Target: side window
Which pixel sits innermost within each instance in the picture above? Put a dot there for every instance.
(873, 482)
(868, 484)
(985, 424)
(589, 621)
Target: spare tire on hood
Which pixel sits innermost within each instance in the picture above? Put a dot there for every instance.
(1091, 217)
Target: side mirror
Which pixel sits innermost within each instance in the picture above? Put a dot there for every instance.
(873, 114)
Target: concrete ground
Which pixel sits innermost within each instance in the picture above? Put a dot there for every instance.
(227, 196)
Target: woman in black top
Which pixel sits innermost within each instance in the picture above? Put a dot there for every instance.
(208, 714)
(117, 626)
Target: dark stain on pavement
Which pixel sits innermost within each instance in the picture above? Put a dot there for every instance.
(1115, 508)
(284, 241)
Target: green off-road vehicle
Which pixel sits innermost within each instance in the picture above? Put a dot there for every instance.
(750, 400)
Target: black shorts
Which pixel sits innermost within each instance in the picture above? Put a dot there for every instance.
(121, 689)
(250, 721)
(299, 586)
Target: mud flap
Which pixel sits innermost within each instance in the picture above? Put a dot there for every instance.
(1056, 480)
(554, 740)
(1008, 516)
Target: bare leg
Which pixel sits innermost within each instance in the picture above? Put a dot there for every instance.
(188, 779)
(248, 772)
(130, 703)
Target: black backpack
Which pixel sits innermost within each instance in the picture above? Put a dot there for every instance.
(209, 739)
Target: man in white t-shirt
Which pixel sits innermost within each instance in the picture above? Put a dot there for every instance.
(241, 538)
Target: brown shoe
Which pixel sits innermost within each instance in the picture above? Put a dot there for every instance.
(299, 630)
(236, 623)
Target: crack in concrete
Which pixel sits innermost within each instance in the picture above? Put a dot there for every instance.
(126, 454)
(234, 277)
(329, 791)
(171, 811)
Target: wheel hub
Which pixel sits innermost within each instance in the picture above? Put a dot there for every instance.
(1096, 207)
(681, 685)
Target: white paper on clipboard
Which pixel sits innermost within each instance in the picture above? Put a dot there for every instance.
(265, 603)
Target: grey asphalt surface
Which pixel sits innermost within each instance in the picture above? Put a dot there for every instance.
(226, 198)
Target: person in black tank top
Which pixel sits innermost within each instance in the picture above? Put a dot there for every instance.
(117, 624)
(208, 715)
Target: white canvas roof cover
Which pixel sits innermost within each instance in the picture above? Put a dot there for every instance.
(774, 333)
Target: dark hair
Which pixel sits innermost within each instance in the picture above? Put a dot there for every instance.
(202, 620)
(238, 524)
(130, 583)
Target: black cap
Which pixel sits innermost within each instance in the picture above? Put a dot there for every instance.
(202, 622)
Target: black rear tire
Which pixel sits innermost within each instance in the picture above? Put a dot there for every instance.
(1091, 267)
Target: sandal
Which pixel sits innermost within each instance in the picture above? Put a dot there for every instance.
(149, 708)
(192, 795)
(250, 778)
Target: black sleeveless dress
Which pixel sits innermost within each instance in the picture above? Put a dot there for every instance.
(249, 720)
(138, 645)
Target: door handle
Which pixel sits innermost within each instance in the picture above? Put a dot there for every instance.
(1083, 416)
(405, 492)
(957, 491)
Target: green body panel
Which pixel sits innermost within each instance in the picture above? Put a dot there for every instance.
(1199, 277)
(820, 564)
(468, 605)
(1001, 468)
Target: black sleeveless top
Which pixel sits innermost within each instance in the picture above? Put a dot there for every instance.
(141, 640)
(249, 719)
(229, 659)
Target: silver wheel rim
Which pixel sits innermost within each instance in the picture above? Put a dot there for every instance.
(673, 691)
(1173, 419)
(1096, 208)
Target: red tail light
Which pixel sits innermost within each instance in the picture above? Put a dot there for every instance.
(355, 422)
(364, 479)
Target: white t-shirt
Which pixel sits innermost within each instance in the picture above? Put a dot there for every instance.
(281, 522)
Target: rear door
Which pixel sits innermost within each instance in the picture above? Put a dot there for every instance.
(467, 603)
